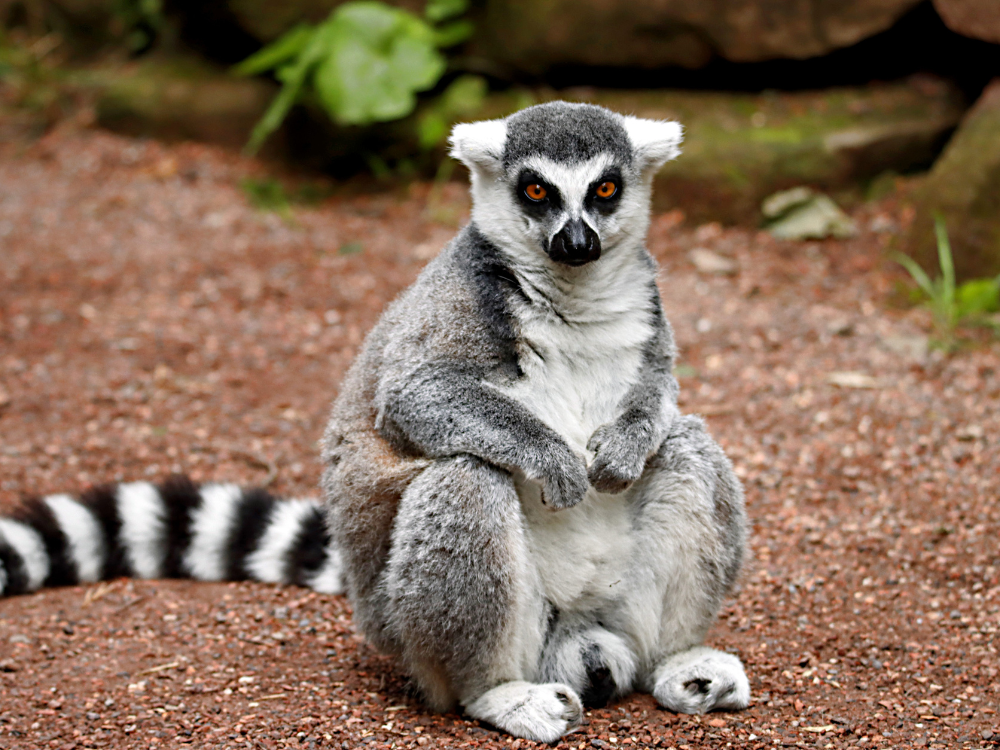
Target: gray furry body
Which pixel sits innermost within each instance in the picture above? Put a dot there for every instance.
(524, 517)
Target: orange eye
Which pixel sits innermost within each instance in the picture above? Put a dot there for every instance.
(606, 189)
(536, 192)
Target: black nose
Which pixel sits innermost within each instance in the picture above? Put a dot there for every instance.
(575, 245)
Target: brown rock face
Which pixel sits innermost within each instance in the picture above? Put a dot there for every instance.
(979, 19)
(964, 187)
(267, 20)
(535, 34)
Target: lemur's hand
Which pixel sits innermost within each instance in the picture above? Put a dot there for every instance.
(563, 476)
(621, 450)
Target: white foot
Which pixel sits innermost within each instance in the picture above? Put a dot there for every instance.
(543, 713)
(701, 679)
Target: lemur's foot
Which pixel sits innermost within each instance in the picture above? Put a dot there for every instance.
(542, 713)
(701, 680)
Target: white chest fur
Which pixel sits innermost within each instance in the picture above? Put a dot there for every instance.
(579, 360)
(580, 357)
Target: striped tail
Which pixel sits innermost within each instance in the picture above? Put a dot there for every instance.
(177, 529)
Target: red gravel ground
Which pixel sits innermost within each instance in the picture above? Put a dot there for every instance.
(152, 321)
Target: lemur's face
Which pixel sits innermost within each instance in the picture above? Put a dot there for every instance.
(564, 183)
(569, 210)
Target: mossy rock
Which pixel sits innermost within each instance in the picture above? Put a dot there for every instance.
(964, 188)
(740, 148)
(177, 98)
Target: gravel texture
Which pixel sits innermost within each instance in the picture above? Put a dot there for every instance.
(152, 321)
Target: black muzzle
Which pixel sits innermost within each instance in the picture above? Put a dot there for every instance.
(575, 245)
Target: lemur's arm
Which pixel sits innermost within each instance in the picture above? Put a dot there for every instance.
(446, 409)
(623, 446)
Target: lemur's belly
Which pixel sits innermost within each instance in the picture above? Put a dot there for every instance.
(580, 553)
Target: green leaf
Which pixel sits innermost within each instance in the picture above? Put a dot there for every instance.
(287, 47)
(432, 129)
(379, 57)
(374, 23)
(294, 77)
(464, 96)
(366, 62)
(945, 259)
(453, 33)
(415, 64)
(977, 297)
(918, 274)
(357, 87)
(441, 10)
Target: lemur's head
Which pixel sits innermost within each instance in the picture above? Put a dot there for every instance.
(566, 181)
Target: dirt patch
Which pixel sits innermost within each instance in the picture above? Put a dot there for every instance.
(152, 321)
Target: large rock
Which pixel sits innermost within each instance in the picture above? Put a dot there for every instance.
(267, 20)
(534, 35)
(979, 19)
(178, 98)
(964, 187)
(740, 148)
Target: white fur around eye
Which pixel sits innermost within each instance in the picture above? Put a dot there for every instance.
(654, 142)
(479, 145)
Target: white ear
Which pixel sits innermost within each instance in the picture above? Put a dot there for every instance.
(479, 145)
(654, 142)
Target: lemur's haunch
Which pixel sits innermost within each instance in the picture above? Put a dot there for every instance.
(515, 505)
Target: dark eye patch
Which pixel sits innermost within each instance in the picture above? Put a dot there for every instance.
(551, 202)
(610, 203)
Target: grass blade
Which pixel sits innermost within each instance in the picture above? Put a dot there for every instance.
(946, 261)
(918, 274)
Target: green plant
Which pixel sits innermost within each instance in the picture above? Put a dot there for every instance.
(29, 70)
(365, 63)
(951, 304)
(139, 22)
(267, 195)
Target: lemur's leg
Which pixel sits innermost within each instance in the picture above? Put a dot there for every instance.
(690, 536)
(464, 604)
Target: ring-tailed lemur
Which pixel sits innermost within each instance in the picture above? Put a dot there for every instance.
(516, 507)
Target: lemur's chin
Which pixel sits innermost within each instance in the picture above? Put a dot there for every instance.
(576, 262)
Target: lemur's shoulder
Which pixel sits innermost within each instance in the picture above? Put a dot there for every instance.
(457, 310)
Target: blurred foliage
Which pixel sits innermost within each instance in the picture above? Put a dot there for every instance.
(950, 304)
(365, 64)
(269, 194)
(30, 76)
(351, 248)
(138, 22)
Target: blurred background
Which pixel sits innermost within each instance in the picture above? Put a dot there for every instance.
(844, 97)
